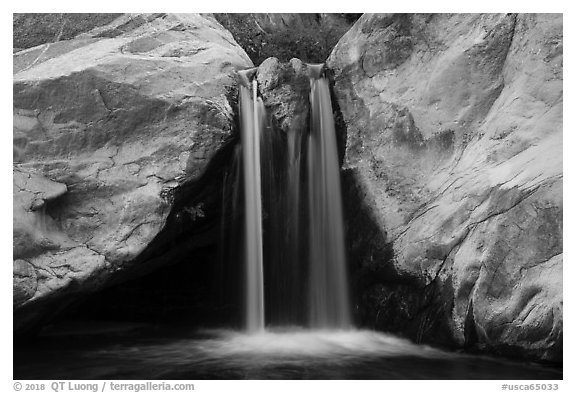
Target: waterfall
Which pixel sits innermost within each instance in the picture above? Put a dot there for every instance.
(251, 114)
(328, 299)
(293, 231)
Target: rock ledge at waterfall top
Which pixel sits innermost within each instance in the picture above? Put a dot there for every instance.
(105, 125)
(454, 141)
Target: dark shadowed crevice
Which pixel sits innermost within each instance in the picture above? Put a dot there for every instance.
(308, 37)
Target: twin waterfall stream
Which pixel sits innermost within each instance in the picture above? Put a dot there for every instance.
(252, 113)
(293, 232)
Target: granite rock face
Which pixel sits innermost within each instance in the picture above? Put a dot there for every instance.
(31, 29)
(105, 126)
(454, 147)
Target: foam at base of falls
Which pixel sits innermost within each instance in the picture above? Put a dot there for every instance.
(321, 344)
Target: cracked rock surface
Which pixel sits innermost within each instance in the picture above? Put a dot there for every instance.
(104, 125)
(454, 144)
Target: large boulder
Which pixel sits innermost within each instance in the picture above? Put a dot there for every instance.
(454, 147)
(105, 126)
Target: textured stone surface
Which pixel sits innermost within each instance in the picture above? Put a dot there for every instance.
(31, 29)
(104, 126)
(285, 88)
(309, 37)
(454, 141)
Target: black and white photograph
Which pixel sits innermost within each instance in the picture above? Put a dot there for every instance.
(286, 196)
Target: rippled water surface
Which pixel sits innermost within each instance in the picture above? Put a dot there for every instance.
(104, 352)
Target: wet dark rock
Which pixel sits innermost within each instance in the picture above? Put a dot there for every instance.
(285, 88)
(309, 37)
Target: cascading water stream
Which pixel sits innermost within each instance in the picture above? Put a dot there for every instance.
(293, 222)
(252, 113)
(328, 299)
